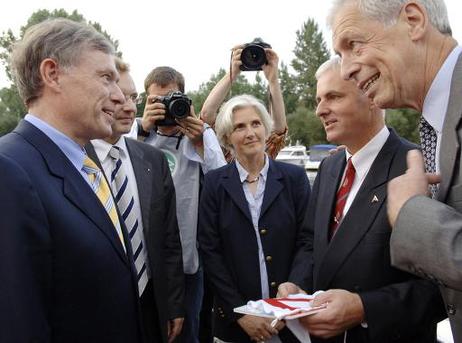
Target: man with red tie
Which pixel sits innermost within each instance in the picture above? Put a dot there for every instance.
(368, 300)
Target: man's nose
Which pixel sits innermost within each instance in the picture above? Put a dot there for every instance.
(322, 109)
(349, 68)
(117, 95)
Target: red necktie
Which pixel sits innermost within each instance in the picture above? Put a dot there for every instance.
(342, 195)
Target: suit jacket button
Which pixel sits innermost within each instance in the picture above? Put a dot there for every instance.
(451, 309)
(273, 284)
(263, 231)
(269, 258)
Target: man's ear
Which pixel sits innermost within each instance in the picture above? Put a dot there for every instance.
(416, 18)
(50, 73)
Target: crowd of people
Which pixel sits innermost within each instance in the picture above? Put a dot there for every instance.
(154, 229)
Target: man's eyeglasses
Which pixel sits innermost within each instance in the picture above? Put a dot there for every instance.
(135, 98)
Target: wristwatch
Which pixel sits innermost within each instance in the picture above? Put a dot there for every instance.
(141, 131)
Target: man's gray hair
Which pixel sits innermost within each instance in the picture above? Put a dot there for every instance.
(387, 11)
(62, 40)
(332, 63)
(224, 122)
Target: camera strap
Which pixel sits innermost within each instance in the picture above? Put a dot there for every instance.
(175, 135)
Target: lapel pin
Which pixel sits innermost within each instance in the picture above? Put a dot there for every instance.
(375, 199)
(149, 170)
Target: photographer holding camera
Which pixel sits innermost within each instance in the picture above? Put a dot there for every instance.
(252, 56)
(169, 123)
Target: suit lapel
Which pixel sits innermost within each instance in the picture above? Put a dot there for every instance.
(273, 187)
(232, 184)
(450, 145)
(75, 189)
(144, 179)
(362, 213)
(324, 210)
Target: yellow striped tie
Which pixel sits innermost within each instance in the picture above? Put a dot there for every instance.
(101, 188)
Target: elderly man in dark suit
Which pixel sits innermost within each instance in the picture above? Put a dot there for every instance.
(149, 214)
(66, 261)
(402, 54)
(368, 300)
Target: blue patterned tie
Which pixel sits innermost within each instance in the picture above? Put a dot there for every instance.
(125, 203)
(428, 140)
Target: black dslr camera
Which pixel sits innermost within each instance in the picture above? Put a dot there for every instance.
(253, 55)
(177, 106)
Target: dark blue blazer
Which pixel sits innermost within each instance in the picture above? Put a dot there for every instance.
(398, 306)
(228, 241)
(65, 275)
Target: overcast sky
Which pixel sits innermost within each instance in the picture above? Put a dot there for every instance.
(193, 36)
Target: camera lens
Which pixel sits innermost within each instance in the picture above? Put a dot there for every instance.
(253, 57)
(179, 108)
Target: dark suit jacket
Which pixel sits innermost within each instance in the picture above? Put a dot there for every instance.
(229, 246)
(398, 307)
(158, 210)
(426, 240)
(65, 275)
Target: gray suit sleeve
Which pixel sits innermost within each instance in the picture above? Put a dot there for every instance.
(427, 241)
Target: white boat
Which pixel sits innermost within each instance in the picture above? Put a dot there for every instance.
(295, 154)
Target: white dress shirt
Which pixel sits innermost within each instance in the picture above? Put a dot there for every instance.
(102, 149)
(362, 161)
(437, 99)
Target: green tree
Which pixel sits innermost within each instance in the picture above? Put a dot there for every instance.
(288, 88)
(240, 86)
(11, 105)
(198, 97)
(405, 122)
(310, 52)
(305, 127)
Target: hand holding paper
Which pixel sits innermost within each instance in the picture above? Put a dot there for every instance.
(258, 328)
(344, 310)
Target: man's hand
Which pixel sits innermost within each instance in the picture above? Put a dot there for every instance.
(153, 111)
(192, 127)
(174, 327)
(344, 310)
(259, 328)
(287, 288)
(414, 182)
(271, 68)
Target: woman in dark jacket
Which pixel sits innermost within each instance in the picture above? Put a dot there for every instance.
(251, 231)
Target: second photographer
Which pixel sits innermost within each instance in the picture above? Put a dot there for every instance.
(169, 123)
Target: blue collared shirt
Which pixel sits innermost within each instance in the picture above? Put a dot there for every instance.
(73, 151)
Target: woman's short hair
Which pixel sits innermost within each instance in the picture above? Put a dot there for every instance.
(62, 40)
(224, 123)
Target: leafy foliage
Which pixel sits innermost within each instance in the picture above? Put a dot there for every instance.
(310, 52)
(240, 86)
(305, 128)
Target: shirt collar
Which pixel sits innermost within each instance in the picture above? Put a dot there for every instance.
(73, 151)
(363, 158)
(243, 174)
(437, 99)
(102, 148)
